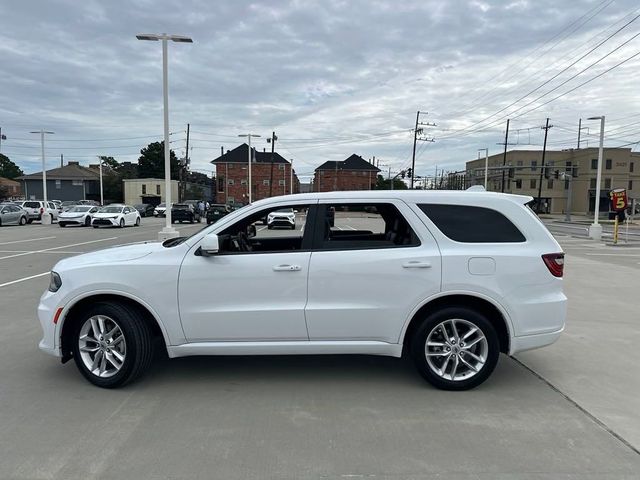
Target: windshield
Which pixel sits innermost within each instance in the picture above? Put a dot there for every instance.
(284, 210)
(138, 206)
(80, 208)
(178, 206)
(110, 210)
(162, 205)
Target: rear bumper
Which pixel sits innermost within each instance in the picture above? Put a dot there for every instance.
(530, 342)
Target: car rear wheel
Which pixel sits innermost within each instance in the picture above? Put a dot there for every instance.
(62, 224)
(30, 220)
(87, 221)
(23, 220)
(112, 345)
(122, 223)
(455, 348)
(138, 222)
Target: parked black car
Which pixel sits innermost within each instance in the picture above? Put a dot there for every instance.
(145, 209)
(216, 212)
(184, 212)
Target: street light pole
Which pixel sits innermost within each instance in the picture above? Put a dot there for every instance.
(45, 217)
(168, 231)
(595, 229)
(486, 165)
(248, 136)
(101, 190)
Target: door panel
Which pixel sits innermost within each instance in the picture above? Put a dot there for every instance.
(244, 296)
(369, 293)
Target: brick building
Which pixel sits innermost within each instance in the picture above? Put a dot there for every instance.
(270, 176)
(354, 173)
(9, 188)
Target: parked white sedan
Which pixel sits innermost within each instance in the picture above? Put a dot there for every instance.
(450, 279)
(116, 216)
(77, 215)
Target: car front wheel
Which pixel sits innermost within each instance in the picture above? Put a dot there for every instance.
(23, 220)
(122, 223)
(112, 345)
(455, 348)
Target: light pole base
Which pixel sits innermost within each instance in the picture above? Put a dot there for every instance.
(595, 231)
(45, 218)
(166, 233)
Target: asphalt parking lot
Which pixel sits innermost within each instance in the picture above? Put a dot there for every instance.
(568, 411)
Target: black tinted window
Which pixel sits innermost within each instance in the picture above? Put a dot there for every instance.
(464, 223)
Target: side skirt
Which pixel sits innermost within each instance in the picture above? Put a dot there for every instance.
(286, 348)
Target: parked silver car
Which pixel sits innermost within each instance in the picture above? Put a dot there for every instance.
(12, 215)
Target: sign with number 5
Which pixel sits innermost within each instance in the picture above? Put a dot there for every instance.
(618, 199)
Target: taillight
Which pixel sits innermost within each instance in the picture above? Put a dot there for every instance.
(555, 263)
(41, 210)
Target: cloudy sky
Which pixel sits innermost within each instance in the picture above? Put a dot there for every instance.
(330, 77)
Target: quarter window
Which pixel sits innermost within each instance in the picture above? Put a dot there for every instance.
(468, 224)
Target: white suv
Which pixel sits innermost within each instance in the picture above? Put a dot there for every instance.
(35, 209)
(450, 279)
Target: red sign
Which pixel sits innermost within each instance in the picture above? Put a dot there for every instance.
(618, 199)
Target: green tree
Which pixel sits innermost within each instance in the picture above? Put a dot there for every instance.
(151, 162)
(384, 184)
(8, 169)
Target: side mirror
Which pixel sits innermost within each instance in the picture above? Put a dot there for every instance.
(209, 245)
(251, 231)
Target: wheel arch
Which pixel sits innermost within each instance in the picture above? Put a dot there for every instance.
(80, 304)
(487, 307)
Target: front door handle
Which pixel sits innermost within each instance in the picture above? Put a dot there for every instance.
(286, 268)
(416, 264)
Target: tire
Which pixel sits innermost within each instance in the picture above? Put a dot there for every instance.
(121, 225)
(30, 221)
(137, 224)
(208, 222)
(62, 224)
(95, 226)
(87, 221)
(484, 345)
(23, 220)
(135, 349)
(192, 220)
(269, 227)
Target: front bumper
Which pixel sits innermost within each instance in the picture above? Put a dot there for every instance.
(46, 311)
(281, 222)
(105, 222)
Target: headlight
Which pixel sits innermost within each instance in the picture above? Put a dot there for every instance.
(55, 282)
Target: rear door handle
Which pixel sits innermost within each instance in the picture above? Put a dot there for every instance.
(416, 264)
(286, 268)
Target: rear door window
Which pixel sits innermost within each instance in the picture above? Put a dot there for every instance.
(469, 224)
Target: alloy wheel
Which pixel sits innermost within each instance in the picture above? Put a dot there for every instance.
(102, 346)
(456, 349)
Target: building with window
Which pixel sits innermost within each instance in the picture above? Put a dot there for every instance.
(69, 182)
(147, 190)
(354, 173)
(523, 168)
(271, 175)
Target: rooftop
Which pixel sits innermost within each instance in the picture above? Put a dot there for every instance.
(71, 171)
(240, 154)
(354, 162)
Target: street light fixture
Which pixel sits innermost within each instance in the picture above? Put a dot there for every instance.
(595, 229)
(486, 164)
(168, 231)
(248, 137)
(45, 217)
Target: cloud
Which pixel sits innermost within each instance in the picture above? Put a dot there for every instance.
(330, 77)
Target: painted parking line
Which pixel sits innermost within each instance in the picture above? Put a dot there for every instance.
(28, 240)
(613, 254)
(35, 251)
(24, 279)
(58, 248)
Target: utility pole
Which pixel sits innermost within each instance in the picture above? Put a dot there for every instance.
(273, 148)
(291, 180)
(417, 131)
(45, 217)
(504, 157)
(580, 128)
(390, 180)
(1, 138)
(183, 170)
(101, 189)
(544, 152)
(335, 178)
(61, 160)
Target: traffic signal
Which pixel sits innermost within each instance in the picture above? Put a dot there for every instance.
(409, 173)
(402, 172)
